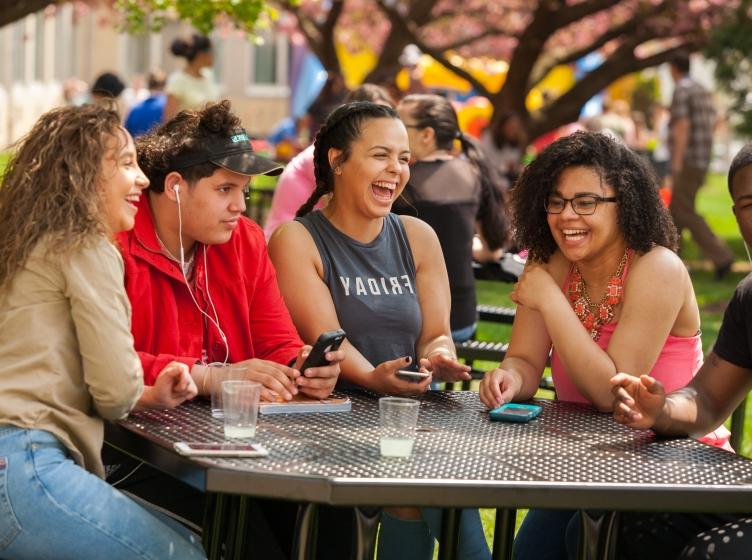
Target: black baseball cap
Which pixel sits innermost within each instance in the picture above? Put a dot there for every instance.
(233, 152)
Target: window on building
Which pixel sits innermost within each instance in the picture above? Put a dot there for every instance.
(265, 62)
(269, 65)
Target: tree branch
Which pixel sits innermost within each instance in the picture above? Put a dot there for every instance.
(549, 17)
(567, 107)
(319, 36)
(628, 26)
(491, 31)
(438, 55)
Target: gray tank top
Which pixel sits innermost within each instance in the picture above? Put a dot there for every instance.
(372, 286)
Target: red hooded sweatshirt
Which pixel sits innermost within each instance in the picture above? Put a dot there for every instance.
(242, 284)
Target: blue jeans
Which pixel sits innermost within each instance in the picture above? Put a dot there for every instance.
(464, 333)
(52, 508)
(413, 539)
(547, 535)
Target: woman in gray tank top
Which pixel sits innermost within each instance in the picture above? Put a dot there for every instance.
(355, 265)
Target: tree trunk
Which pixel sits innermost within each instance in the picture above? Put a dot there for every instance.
(12, 10)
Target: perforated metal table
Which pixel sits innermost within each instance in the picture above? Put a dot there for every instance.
(569, 457)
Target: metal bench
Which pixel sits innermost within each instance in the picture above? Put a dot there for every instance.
(496, 314)
(476, 350)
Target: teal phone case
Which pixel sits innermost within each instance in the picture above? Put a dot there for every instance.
(515, 412)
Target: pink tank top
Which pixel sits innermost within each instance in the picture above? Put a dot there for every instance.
(677, 364)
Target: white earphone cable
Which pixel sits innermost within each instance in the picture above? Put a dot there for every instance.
(215, 319)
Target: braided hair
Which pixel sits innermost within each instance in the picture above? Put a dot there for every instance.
(341, 129)
(436, 112)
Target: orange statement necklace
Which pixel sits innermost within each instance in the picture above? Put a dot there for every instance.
(594, 316)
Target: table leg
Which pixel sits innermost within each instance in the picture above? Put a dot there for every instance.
(304, 547)
(597, 535)
(450, 532)
(366, 523)
(213, 522)
(240, 528)
(506, 519)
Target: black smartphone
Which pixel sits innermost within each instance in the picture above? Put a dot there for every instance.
(326, 342)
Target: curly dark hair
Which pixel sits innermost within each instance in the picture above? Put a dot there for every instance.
(158, 149)
(642, 217)
(341, 129)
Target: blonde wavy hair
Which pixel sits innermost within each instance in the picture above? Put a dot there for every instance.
(50, 187)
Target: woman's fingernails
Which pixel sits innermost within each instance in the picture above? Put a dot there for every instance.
(408, 359)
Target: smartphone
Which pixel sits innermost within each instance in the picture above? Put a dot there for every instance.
(220, 449)
(514, 412)
(416, 376)
(328, 341)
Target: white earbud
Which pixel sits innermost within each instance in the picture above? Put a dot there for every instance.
(176, 189)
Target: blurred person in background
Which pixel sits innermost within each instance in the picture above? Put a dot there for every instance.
(332, 95)
(504, 145)
(106, 91)
(194, 86)
(691, 145)
(148, 113)
(456, 195)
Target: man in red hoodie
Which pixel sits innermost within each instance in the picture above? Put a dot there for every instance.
(197, 273)
(202, 290)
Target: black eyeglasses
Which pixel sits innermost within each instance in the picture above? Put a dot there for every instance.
(582, 204)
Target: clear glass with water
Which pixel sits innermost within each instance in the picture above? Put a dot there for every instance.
(398, 418)
(219, 372)
(240, 400)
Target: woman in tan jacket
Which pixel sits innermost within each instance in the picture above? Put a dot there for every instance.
(66, 351)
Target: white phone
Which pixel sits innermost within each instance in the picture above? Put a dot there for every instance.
(416, 376)
(191, 449)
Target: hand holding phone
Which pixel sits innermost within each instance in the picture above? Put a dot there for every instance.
(220, 449)
(327, 341)
(414, 376)
(515, 412)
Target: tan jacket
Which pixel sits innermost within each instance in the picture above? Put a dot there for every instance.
(66, 350)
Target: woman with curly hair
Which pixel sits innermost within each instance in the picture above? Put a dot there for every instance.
(66, 352)
(604, 291)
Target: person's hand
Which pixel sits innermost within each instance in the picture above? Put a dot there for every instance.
(277, 381)
(445, 367)
(386, 380)
(318, 382)
(534, 287)
(638, 401)
(173, 386)
(499, 387)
